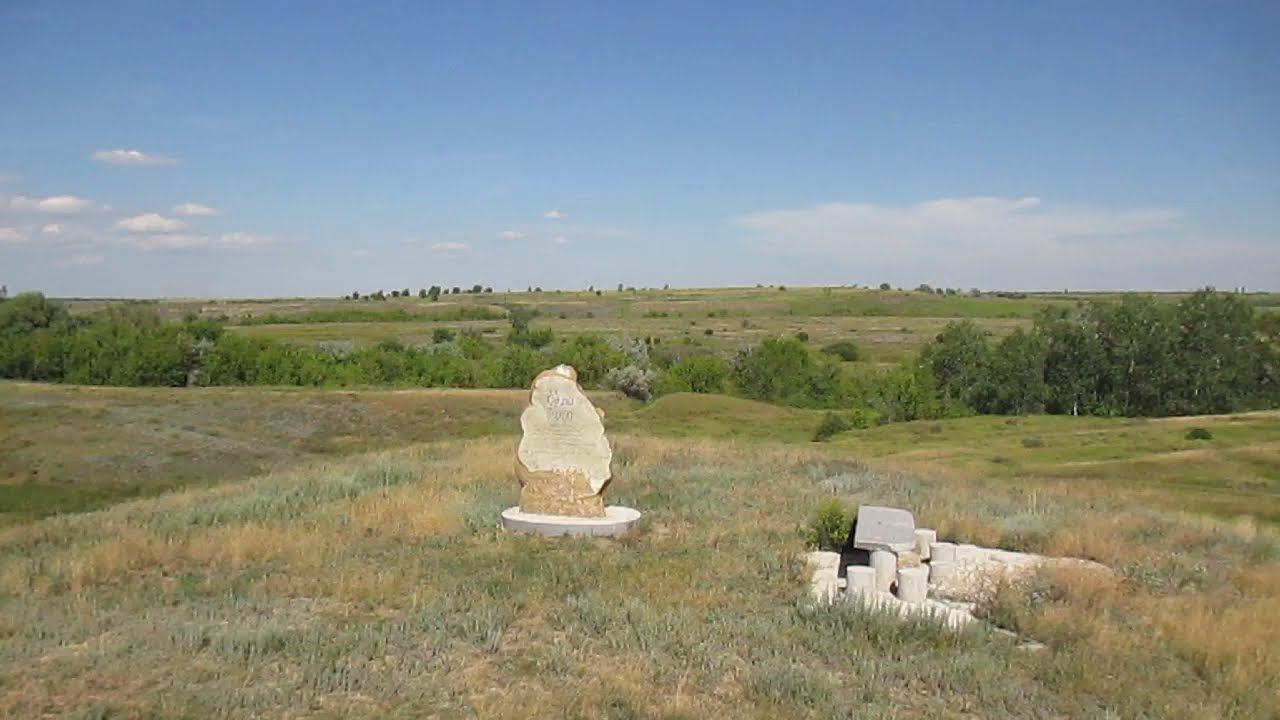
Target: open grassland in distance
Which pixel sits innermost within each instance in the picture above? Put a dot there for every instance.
(888, 325)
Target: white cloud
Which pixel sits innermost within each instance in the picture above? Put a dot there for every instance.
(159, 241)
(359, 252)
(168, 240)
(11, 235)
(996, 241)
(150, 223)
(81, 260)
(54, 205)
(131, 157)
(450, 247)
(52, 229)
(6, 177)
(243, 239)
(555, 215)
(511, 235)
(560, 240)
(195, 210)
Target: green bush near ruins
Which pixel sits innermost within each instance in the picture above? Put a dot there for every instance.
(830, 526)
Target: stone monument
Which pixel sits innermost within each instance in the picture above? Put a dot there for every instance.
(562, 463)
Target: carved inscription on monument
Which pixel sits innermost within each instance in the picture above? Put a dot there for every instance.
(563, 457)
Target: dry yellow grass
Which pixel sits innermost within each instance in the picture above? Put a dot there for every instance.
(377, 586)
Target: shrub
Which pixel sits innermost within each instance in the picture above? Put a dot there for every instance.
(708, 331)
(846, 350)
(697, 373)
(829, 528)
(1199, 433)
(802, 336)
(442, 335)
(591, 356)
(518, 367)
(1032, 442)
(864, 417)
(832, 424)
(633, 381)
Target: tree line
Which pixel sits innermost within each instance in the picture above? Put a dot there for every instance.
(1209, 353)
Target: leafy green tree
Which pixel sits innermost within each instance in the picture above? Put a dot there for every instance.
(776, 370)
(30, 311)
(1137, 338)
(1014, 381)
(1218, 353)
(958, 359)
(517, 367)
(908, 392)
(591, 355)
(1074, 364)
(696, 373)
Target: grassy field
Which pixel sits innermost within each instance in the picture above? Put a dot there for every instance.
(71, 448)
(243, 552)
(377, 585)
(888, 325)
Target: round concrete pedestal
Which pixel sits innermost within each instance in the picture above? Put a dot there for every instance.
(616, 521)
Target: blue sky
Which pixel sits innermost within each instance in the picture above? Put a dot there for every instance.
(232, 149)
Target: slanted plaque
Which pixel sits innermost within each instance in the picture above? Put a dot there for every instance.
(563, 458)
(884, 528)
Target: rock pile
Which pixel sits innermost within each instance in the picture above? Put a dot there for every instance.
(912, 574)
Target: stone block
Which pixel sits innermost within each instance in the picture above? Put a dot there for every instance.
(884, 528)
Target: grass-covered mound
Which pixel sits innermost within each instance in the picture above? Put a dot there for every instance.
(378, 586)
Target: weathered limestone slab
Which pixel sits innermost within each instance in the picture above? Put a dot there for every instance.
(884, 528)
(942, 552)
(940, 571)
(925, 538)
(913, 584)
(824, 582)
(859, 580)
(563, 458)
(885, 564)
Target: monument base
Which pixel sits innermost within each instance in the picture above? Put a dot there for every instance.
(616, 521)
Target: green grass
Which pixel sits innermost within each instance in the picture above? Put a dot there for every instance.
(72, 448)
(258, 552)
(1236, 473)
(69, 448)
(379, 586)
(888, 326)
